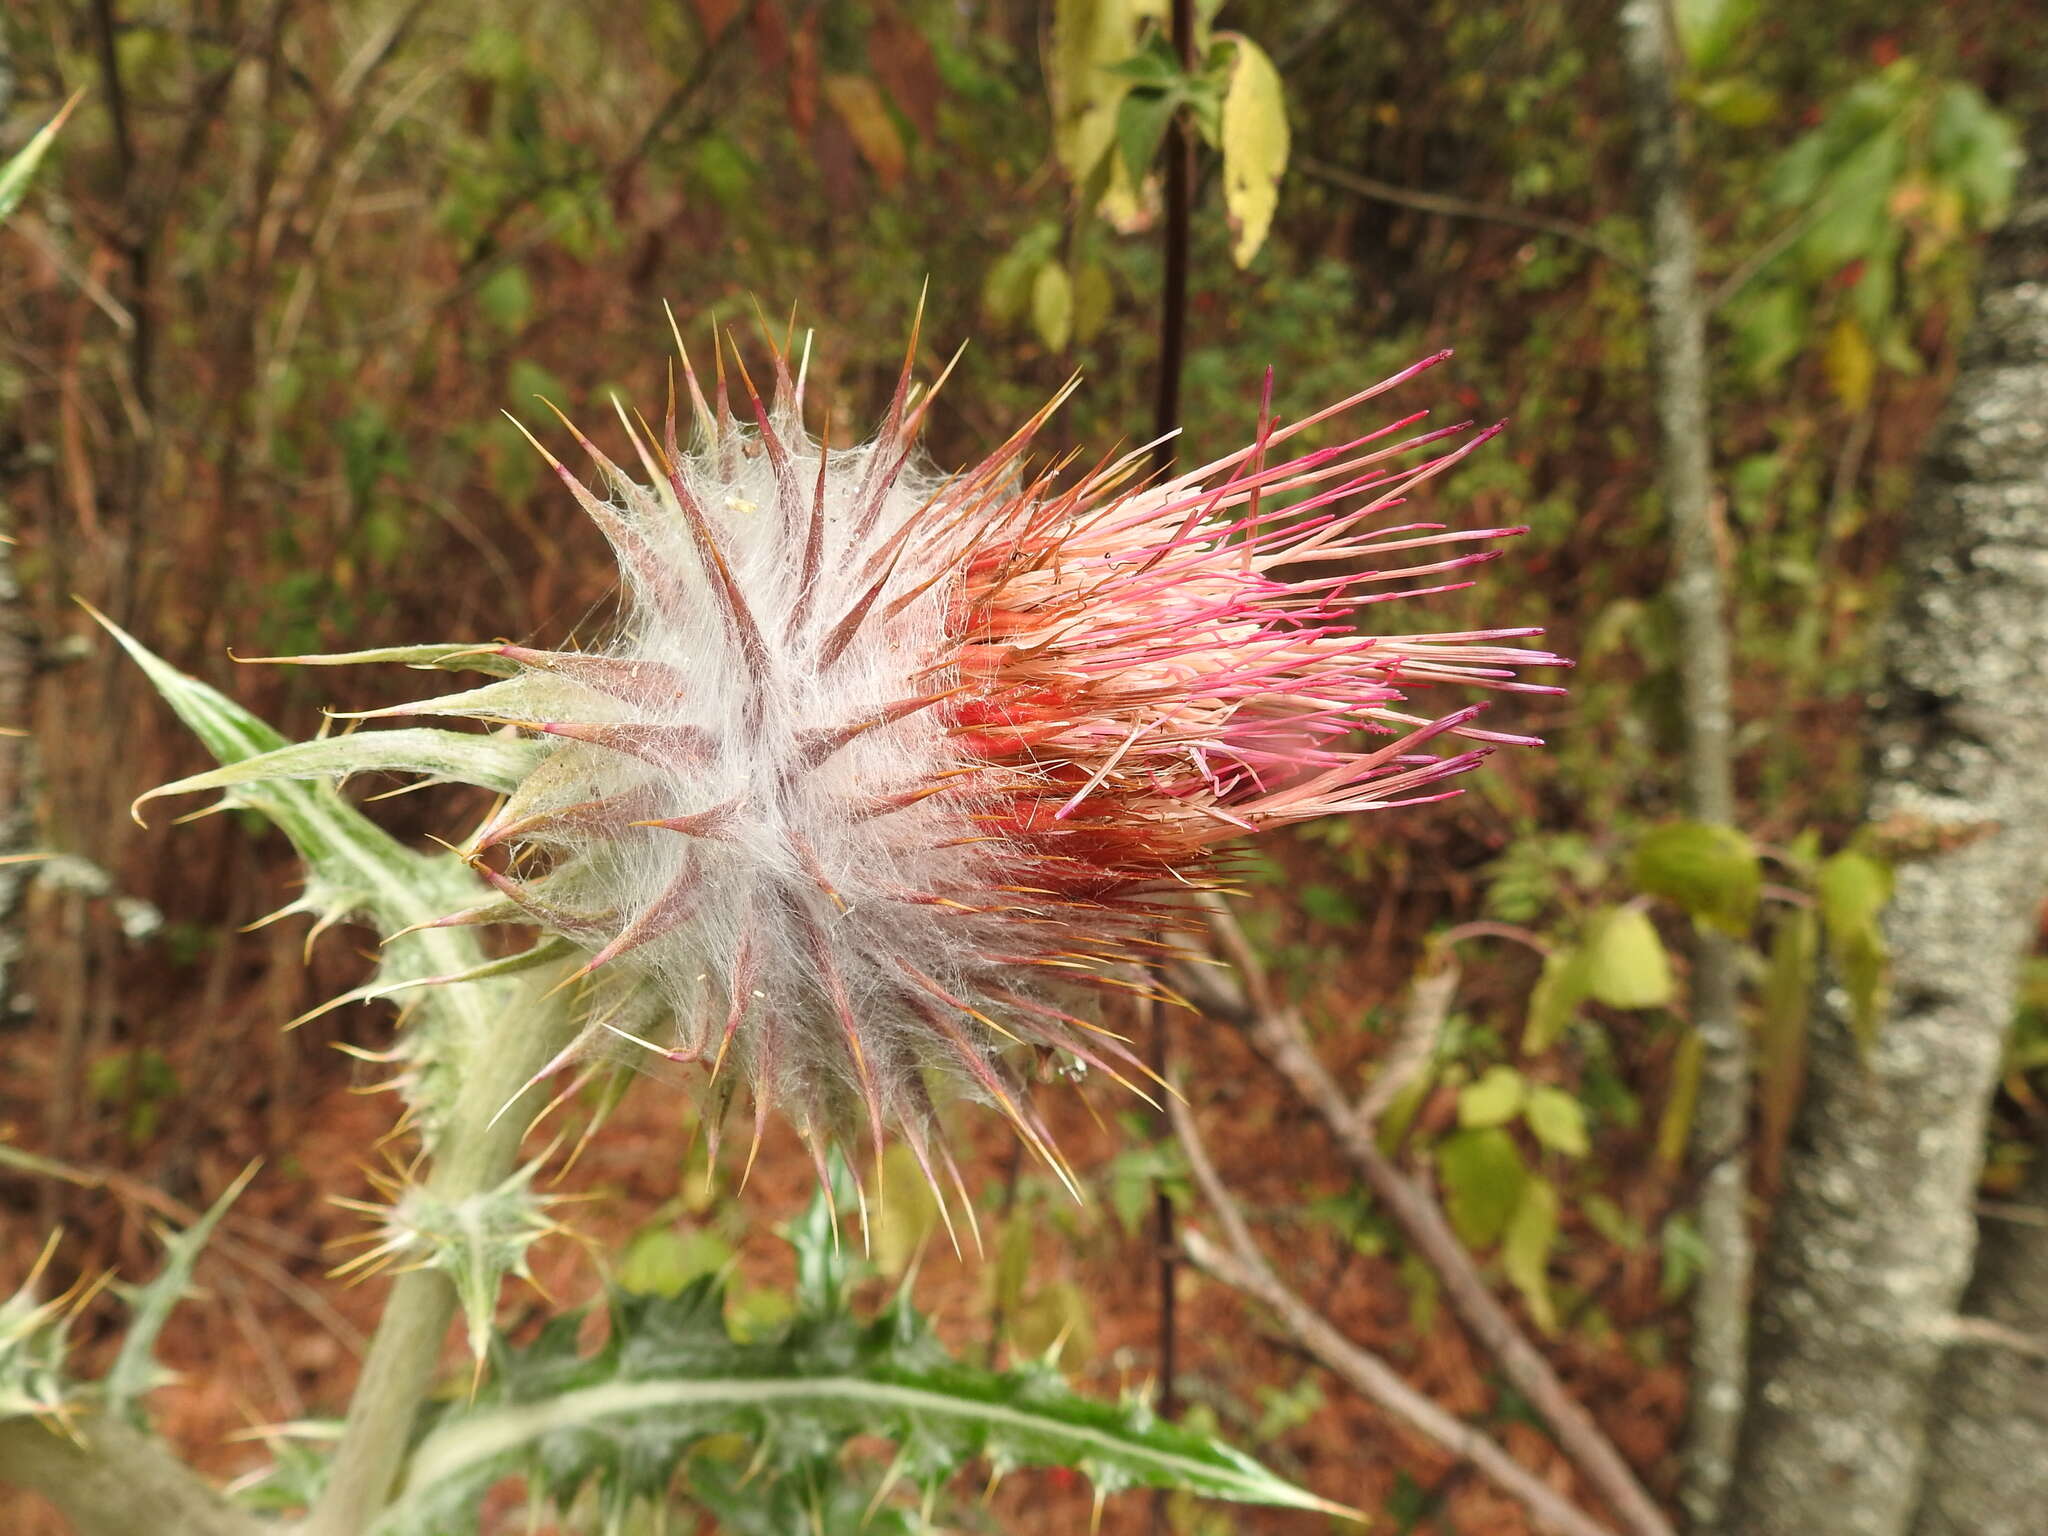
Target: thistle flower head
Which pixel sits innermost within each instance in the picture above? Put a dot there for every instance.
(883, 772)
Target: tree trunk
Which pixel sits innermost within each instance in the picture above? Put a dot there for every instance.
(1987, 1453)
(1874, 1235)
(1987, 1444)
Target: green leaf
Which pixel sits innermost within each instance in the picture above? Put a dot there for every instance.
(1494, 1100)
(501, 763)
(1094, 298)
(1006, 287)
(671, 1378)
(1770, 329)
(1625, 962)
(356, 869)
(1975, 149)
(1555, 999)
(1557, 1120)
(456, 657)
(21, 167)
(661, 1261)
(1483, 1174)
(1052, 306)
(1782, 1024)
(1708, 30)
(135, 1369)
(1710, 871)
(1853, 889)
(505, 298)
(1254, 135)
(1525, 1249)
(1739, 102)
(905, 1212)
(1142, 118)
(1674, 1127)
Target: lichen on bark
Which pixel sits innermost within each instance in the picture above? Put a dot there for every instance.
(1874, 1236)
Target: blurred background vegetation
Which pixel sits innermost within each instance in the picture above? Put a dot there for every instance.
(291, 259)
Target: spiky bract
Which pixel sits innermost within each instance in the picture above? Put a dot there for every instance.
(881, 771)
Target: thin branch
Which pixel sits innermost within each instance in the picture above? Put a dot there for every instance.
(1989, 1333)
(1422, 1026)
(1244, 1268)
(2013, 1211)
(1718, 1137)
(1465, 208)
(1276, 1033)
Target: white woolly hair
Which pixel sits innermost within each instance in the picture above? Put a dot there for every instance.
(765, 692)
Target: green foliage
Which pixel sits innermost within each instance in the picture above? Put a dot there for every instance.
(135, 1369)
(1710, 872)
(1898, 173)
(758, 1430)
(1853, 889)
(1625, 962)
(35, 1343)
(21, 166)
(1483, 1177)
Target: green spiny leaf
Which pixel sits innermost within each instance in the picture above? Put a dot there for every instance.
(135, 1369)
(20, 169)
(461, 757)
(439, 657)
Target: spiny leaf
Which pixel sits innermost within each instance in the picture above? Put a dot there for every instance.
(135, 1369)
(356, 869)
(16, 174)
(446, 657)
(672, 1383)
(462, 757)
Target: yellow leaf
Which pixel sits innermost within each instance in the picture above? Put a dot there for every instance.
(1625, 962)
(1087, 36)
(1254, 146)
(1851, 364)
(860, 106)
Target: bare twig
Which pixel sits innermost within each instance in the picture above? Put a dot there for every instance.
(1244, 1269)
(1464, 208)
(1989, 1333)
(1276, 1033)
(2013, 1211)
(1720, 1128)
(1429, 1004)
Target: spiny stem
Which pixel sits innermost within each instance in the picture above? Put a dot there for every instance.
(480, 1150)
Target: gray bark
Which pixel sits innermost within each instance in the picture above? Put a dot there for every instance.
(1874, 1236)
(1987, 1444)
(1718, 1149)
(1987, 1454)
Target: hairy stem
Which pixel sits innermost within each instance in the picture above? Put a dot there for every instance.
(480, 1147)
(110, 1479)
